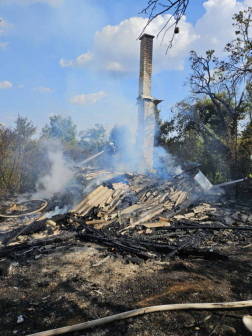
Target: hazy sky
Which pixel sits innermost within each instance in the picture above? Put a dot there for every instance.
(80, 58)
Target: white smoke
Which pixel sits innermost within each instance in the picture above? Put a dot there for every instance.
(165, 163)
(127, 155)
(61, 172)
(57, 211)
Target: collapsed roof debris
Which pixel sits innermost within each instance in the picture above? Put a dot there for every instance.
(145, 215)
(137, 218)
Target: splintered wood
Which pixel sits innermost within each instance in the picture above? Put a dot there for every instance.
(135, 199)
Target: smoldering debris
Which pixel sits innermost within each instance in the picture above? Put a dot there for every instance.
(149, 216)
(131, 220)
(127, 203)
(57, 211)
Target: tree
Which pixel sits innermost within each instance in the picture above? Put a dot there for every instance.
(15, 149)
(178, 8)
(62, 129)
(245, 150)
(239, 65)
(248, 99)
(164, 130)
(225, 94)
(185, 138)
(93, 139)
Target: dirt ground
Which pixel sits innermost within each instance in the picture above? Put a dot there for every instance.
(66, 286)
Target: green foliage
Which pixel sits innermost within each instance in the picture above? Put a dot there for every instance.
(62, 129)
(195, 133)
(24, 128)
(210, 78)
(93, 140)
(239, 66)
(245, 150)
(17, 169)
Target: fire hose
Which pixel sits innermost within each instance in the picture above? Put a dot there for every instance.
(29, 213)
(111, 148)
(233, 182)
(142, 311)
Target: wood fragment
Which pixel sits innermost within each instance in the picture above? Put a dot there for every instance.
(130, 209)
(100, 226)
(27, 213)
(98, 200)
(175, 196)
(146, 218)
(32, 227)
(143, 197)
(98, 221)
(79, 205)
(216, 326)
(197, 238)
(90, 202)
(163, 219)
(155, 225)
(101, 262)
(181, 198)
(10, 250)
(162, 199)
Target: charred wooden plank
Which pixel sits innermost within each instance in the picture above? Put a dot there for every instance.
(195, 239)
(155, 225)
(10, 250)
(204, 253)
(146, 217)
(32, 227)
(206, 227)
(112, 242)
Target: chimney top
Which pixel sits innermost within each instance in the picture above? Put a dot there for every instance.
(147, 35)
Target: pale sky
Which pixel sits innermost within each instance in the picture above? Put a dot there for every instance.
(80, 58)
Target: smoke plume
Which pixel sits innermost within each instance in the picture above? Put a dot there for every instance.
(61, 172)
(165, 163)
(57, 211)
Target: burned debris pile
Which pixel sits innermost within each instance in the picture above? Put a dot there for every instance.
(131, 238)
(138, 217)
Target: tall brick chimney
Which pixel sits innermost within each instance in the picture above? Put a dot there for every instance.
(146, 106)
(146, 51)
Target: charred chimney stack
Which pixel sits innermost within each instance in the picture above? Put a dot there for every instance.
(146, 106)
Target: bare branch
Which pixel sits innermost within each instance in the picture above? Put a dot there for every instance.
(178, 8)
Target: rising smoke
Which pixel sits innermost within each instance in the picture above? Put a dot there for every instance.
(126, 159)
(57, 211)
(60, 173)
(165, 163)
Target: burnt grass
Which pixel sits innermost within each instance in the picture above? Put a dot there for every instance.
(64, 287)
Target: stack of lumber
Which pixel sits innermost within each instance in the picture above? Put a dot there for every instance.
(139, 200)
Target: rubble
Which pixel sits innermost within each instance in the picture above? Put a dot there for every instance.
(144, 215)
(130, 219)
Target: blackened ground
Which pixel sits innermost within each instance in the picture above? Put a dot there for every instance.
(65, 287)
